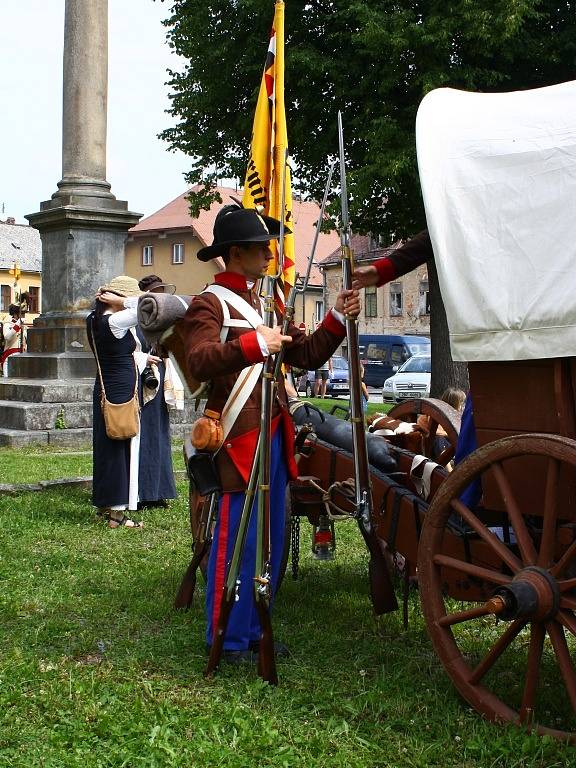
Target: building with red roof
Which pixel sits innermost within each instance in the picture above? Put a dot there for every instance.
(166, 243)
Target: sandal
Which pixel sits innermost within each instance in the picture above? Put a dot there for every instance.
(124, 521)
(102, 513)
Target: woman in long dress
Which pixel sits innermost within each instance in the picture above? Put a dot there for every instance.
(156, 477)
(111, 331)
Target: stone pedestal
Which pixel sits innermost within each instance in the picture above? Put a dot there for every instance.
(47, 397)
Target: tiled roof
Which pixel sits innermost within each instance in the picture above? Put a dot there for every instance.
(20, 243)
(363, 249)
(176, 215)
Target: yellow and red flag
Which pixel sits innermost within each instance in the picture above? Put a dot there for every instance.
(16, 272)
(268, 150)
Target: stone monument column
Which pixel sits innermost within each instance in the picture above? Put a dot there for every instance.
(83, 228)
(85, 100)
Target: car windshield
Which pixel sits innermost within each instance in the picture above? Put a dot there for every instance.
(416, 348)
(340, 363)
(416, 365)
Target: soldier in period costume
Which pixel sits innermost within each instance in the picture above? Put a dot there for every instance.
(242, 238)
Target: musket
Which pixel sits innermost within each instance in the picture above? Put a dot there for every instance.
(263, 566)
(202, 544)
(272, 371)
(381, 587)
(232, 583)
(296, 289)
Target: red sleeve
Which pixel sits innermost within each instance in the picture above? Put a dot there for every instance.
(333, 325)
(251, 347)
(386, 271)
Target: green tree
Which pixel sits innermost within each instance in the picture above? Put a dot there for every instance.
(372, 59)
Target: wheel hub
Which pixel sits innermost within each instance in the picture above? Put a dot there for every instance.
(532, 594)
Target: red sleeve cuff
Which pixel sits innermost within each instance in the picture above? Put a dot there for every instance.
(251, 348)
(386, 271)
(333, 325)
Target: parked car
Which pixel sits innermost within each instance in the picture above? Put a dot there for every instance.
(382, 355)
(411, 380)
(337, 379)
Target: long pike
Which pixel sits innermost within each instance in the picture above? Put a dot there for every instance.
(381, 587)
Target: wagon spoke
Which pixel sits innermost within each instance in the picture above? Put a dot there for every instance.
(546, 554)
(494, 606)
(566, 558)
(563, 657)
(486, 534)
(568, 602)
(566, 585)
(537, 635)
(525, 543)
(494, 577)
(496, 651)
(568, 620)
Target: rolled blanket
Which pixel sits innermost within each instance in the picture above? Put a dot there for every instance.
(159, 311)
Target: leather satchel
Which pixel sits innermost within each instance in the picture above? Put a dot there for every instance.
(207, 434)
(122, 420)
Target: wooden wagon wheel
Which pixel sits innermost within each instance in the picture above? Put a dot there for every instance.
(527, 624)
(439, 414)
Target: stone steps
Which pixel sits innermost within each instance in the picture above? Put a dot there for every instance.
(31, 409)
(46, 390)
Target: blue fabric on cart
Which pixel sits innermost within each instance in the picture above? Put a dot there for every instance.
(467, 443)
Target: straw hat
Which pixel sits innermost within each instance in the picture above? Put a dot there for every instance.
(123, 286)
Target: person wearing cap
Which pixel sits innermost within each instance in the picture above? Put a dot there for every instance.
(242, 238)
(14, 335)
(111, 329)
(155, 284)
(156, 474)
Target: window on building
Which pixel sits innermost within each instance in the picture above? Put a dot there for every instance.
(396, 304)
(5, 296)
(424, 298)
(33, 299)
(177, 253)
(147, 255)
(370, 301)
(319, 313)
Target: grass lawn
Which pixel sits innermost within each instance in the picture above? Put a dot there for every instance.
(97, 669)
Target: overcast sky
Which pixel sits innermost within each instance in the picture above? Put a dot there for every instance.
(139, 167)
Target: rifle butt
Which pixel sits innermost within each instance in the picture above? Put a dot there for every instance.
(219, 633)
(185, 594)
(266, 655)
(381, 585)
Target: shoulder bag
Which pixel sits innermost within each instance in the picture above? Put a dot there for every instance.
(122, 420)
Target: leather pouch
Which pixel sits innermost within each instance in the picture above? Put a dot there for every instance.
(207, 434)
(201, 469)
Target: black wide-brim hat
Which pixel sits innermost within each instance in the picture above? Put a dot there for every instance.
(240, 226)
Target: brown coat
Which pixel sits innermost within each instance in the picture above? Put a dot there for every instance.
(412, 254)
(221, 363)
